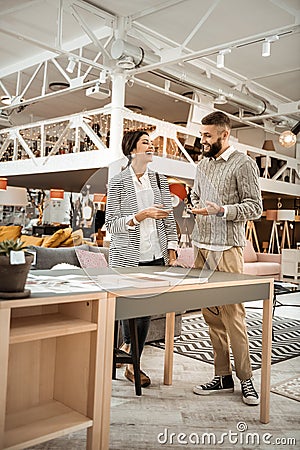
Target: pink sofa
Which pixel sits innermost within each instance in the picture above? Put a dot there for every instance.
(268, 264)
(265, 264)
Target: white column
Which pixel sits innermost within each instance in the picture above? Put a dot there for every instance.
(116, 122)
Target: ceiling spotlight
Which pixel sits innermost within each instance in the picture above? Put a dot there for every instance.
(6, 100)
(266, 47)
(58, 85)
(288, 138)
(126, 62)
(220, 100)
(71, 65)
(128, 56)
(221, 57)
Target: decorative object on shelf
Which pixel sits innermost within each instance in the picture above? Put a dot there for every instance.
(250, 230)
(271, 214)
(14, 267)
(38, 200)
(286, 215)
(3, 184)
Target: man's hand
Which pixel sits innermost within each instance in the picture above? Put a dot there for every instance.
(210, 209)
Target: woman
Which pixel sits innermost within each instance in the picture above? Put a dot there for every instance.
(140, 219)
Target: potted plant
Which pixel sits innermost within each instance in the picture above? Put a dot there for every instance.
(13, 276)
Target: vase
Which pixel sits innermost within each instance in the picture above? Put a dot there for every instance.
(13, 276)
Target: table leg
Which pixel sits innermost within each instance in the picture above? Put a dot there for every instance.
(98, 435)
(4, 349)
(266, 357)
(169, 347)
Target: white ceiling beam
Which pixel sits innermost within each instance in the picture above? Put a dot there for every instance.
(155, 9)
(30, 80)
(59, 24)
(89, 32)
(282, 31)
(95, 10)
(18, 7)
(199, 24)
(51, 51)
(48, 47)
(287, 8)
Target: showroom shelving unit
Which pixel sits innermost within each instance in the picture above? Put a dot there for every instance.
(49, 358)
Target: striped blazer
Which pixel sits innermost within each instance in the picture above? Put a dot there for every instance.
(121, 203)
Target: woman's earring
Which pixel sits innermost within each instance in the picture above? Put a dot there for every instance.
(133, 155)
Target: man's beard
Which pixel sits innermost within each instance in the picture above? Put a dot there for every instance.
(214, 149)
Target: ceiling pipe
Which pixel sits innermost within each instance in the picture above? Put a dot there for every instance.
(245, 101)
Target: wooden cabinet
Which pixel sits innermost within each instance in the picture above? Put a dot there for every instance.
(49, 357)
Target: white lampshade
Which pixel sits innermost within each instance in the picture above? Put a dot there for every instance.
(286, 214)
(13, 196)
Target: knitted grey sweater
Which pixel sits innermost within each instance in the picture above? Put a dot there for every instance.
(234, 183)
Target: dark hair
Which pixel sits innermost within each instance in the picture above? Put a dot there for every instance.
(217, 118)
(130, 139)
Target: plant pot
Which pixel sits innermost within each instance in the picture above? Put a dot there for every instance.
(13, 276)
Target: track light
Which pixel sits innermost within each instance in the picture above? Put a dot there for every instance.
(220, 60)
(103, 76)
(288, 138)
(220, 100)
(266, 47)
(221, 57)
(71, 65)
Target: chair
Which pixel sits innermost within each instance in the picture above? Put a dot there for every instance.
(264, 264)
(122, 357)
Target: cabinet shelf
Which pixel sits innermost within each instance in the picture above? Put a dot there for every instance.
(42, 423)
(32, 328)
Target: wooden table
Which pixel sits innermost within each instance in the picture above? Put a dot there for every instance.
(64, 350)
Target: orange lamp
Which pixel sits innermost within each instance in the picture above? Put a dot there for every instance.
(179, 190)
(3, 184)
(57, 194)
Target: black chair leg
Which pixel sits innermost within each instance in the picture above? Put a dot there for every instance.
(116, 340)
(135, 355)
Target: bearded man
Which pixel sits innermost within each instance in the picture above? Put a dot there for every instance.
(225, 195)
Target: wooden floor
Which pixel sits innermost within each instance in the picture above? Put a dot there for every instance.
(137, 422)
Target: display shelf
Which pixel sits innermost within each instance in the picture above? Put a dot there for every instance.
(32, 328)
(42, 423)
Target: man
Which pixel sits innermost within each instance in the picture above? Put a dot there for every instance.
(225, 195)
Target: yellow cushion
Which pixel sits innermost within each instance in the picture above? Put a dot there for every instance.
(10, 232)
(57, 238)
(76, 238)
(31, 240)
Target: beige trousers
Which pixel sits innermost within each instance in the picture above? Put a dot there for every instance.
(226, 323)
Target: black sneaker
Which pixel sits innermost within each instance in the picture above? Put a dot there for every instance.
(250, 396)
(219, 385)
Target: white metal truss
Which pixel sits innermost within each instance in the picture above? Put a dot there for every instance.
(169, 51)
(167, 132)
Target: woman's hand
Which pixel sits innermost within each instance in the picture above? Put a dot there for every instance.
(153, 212)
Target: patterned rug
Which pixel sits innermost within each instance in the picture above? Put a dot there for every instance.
(289, 388)
(195, 341)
